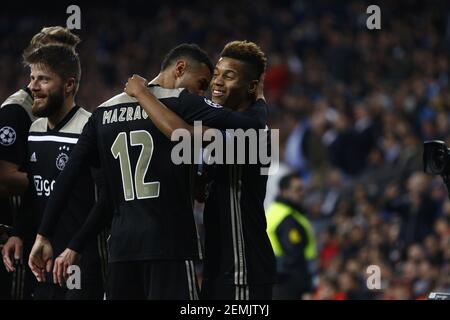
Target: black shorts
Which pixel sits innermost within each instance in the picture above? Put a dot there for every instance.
(152, 280)
(219, 289)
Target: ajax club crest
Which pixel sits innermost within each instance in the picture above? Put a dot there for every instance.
(62, 158)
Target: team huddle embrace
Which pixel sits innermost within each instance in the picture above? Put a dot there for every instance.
(101, 191)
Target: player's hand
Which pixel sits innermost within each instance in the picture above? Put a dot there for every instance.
(135, 85)
(260, 88)
(41, 258)
(12, 247)
(62, 263)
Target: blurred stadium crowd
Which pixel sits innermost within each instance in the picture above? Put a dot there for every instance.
(353, 107)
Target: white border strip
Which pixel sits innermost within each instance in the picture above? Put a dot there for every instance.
(53, 139)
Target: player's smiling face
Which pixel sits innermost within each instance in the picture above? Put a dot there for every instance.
(228, 85)
(47, 89)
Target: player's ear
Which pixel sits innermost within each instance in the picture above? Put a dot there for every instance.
(70, 86)
(180, 68)
(252, 86)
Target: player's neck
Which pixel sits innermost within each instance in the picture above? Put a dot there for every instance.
(164, 80)
(244, 105)
(57, 117)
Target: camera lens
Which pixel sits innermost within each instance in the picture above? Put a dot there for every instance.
(439, 159)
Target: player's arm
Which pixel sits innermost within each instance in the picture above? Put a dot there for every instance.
(164, 119)
(192, 108)
(84, 154)
(99, 217)
(14, 125)
(12, 250)
(12, 180)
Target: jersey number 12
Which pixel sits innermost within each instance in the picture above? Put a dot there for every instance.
(119, 149)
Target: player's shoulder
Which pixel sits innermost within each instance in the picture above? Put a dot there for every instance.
(157, 91)
(21, 100)
(77, 122)
(164, 93)
(82, 114)
(259, 110)
(121, 98)
(74, 125)
(198, 100)
(39, 125)
(20, 97)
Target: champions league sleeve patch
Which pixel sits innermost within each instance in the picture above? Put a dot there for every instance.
(213, 104)
(7, 136)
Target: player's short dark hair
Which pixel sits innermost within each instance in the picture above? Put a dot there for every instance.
(285, 181)
(53, 35)
(58, 58)
(249, 53)
(187, 50)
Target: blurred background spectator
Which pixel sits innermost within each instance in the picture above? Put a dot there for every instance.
(352, 105)
(293, 240)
